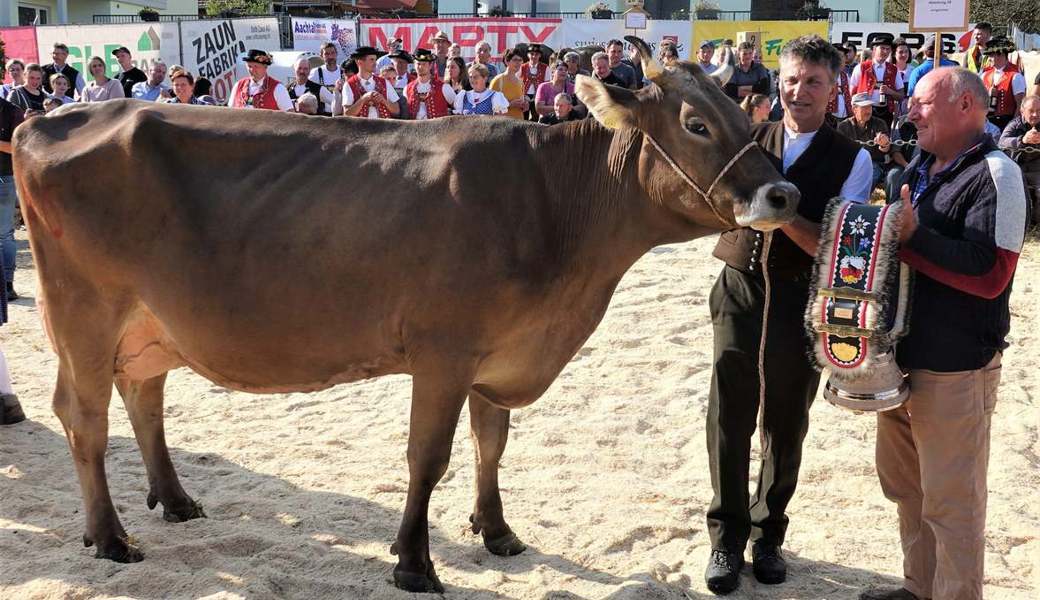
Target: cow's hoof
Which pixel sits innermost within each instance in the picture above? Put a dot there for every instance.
(118, 550)
(507, 545)
(178, 512)
(418, 582)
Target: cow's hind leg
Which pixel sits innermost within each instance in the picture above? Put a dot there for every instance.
(489, 427)
(436, 404)
(144, 404)
(81, 399)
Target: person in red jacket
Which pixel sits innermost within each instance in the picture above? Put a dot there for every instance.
(366, 94)
(259, 90)
(879, 77)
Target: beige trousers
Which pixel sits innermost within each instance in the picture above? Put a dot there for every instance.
(932, 455)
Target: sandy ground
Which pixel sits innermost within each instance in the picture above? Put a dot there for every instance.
(605, 477)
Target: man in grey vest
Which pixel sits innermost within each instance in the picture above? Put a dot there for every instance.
(757, 308)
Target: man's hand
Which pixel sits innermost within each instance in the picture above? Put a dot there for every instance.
(520, 102)
(339, 85)
(882, 141)
(1031, 137)
(909, 220)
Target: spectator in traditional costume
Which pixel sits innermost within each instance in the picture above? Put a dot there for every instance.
(153, 88)
(1006, 85)
(183, 84)
(563, 111)
(481, 100)
(304, 85)
(403, 75)
(705, 53)
(259, 90)
(102, 87)
(427, 96)
(545, 95)
(534, 73)
(851, 60)
(483, 49)
(59, 54)
(510, 85)
(61, 88)
(328, 74)
(840, 106)
(870, 132)
(30, 95)
(366, 94)
(749, 77)
(128, 74)
(624, 73)
(880, 78)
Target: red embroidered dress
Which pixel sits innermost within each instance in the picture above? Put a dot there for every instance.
(436, 103)
(264, 98)
(528, 79)
(355, 86)
(1006, 104)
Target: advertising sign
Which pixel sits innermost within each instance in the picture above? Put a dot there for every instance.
(938, 15)
(310, 34)
(576, 33)
(861, 34)
(214, 49)
(772, 35)
(500, 33)
(148, 42)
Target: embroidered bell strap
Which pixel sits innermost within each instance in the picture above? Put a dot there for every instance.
(849, 290)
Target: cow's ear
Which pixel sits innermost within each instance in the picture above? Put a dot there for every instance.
(612, 106)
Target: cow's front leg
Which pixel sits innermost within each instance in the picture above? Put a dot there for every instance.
(436, 404)
(144, 404)
(489, 427)
(82, 408)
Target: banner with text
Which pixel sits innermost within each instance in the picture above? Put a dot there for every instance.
(148, 42)
(773, 34)
(861, 35)
(576, 33)
(214, 49)
(20, 43)
(310, 34)
(500, 33)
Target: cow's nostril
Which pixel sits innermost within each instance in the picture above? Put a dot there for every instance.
(777, 199)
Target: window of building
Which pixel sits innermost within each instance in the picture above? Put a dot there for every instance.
(27, 15)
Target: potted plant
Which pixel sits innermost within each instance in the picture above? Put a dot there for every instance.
(600, 10)
(149, 14)
(813, 11)
(706, 10)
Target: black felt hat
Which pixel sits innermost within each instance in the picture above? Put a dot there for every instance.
(402, 55)
(258, 56)
(424, 55)
(882, 39)
(364, 51)
(999, 45)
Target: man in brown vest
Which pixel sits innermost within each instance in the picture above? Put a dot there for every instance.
(822, 164)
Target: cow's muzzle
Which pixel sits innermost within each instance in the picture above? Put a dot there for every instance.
(773, 205)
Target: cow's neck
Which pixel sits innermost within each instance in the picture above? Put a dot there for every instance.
(603, 217)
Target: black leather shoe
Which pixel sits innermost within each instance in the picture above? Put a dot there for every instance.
(888, 594)
(768, 563)
(10, 410)
(723, 572)
(11, 294)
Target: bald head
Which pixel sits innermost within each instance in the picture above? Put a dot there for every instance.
(949, 109)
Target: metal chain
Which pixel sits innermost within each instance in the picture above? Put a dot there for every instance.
(899, 143)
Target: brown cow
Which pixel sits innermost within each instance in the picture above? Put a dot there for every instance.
(266, 252)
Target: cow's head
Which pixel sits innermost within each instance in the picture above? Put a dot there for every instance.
(694, 137)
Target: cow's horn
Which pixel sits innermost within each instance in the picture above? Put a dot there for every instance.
(652, 68)
(725, 70)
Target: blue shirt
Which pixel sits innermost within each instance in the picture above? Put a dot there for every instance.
(923, 177)
(143, 91)
(923, 70)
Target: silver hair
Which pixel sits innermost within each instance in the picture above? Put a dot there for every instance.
(962, 81)
(563, 96)
(483, 44)
(572, 57)
(1030, 99)
(600, 55)
(308, 99)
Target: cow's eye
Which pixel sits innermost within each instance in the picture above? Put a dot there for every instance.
(696, 126)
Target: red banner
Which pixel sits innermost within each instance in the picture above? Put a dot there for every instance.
(500, 33)
(19, 42)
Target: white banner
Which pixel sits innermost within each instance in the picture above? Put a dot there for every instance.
(597, 32)
(147, 42)
(310, 34)
(861, 34)
(214, 49)
(502, 34)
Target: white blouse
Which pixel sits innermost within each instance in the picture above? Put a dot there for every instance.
(499, 104)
